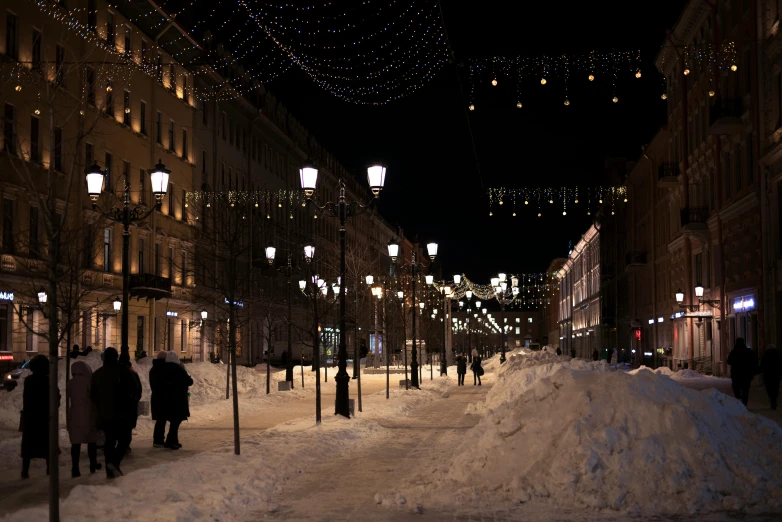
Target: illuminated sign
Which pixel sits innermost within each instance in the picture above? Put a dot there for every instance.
(6, 356)
(172, 314)
(660, 319)
(6, 296)
(638, 335)
(743, 304)
(648, 354)
(651, 321)
(240, 304)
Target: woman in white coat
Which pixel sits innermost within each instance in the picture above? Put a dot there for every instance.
(82, 417)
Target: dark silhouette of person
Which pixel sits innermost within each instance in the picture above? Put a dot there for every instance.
(771, 366)
(35, 415)
(743, 367)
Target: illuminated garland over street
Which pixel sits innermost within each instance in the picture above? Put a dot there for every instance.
(560, 198)
(534, 289)
(264, 200)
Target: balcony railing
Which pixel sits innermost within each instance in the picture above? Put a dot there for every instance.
(149, 286)
(694, 216)
(668, 169)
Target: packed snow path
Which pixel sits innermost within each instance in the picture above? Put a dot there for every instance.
(196, 436)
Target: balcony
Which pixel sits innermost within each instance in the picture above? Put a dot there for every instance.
(668, 175)
(149, 286)
(725, 117)
(635, 259)
(693, 220)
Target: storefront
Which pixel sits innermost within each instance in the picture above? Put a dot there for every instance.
(6, 322)
(743, 320)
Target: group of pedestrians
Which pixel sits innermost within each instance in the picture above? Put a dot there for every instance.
(744, 366)
(475, 366)
(106, 400)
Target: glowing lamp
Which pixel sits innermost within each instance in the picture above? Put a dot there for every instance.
(376, 176)
(679, 296)
(95, 180)
(309, 180)
(270, 253)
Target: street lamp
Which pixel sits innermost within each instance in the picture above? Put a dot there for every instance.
(393, 251)
(342, 209)
(42, 297)
(126, 215)
(699, 290)
(457, 279)
(117, 304)
(369, 280)
(204, 315)
(679, 296)
(429, 279)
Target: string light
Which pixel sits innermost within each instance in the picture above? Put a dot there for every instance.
(563, 195)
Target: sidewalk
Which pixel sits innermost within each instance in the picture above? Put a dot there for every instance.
(759, 402)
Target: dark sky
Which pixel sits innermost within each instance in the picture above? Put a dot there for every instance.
(435, 188)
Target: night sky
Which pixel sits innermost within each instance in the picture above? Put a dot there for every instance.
(435, 186)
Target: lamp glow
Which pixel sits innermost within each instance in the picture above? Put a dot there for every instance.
(393, 250)
(309, 180)
(271, 252)
(376, 176)
(159, 176)
(679, 296)
(95, 181)
(429, 279)
(117, 304)
(432, 249)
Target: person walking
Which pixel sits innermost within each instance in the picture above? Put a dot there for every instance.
(559, 351)
(124, 361)
(461, 368)
(157, 383)
(477, 370)
(771, 366)
(82, 417)
(743, 366)
(35, 415)
(177, 381)
(595, 355)
(114, 394)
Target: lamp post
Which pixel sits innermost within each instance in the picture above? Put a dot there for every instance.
(342, 209)
(505, 295)
(310, 288)
(126, 215)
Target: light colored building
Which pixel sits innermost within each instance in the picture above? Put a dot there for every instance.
(549, 312)
(581, 330)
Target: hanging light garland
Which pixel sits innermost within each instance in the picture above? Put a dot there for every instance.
(559, 197)
(535, 289)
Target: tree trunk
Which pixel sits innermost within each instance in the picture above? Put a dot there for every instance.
(228, 369)
(268, 364)
(67, 372)
(232, 349)
(54, 392)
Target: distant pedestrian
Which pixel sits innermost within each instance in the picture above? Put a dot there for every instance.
(572, 353)
(477, 370)
(124, 361)
(559, 352)
(461, 368)
(114, 393)
(75, 351)
(177, 381)
(743, 367)
(35, 415)
(157, 383)
(609, 356)
(82, 417)
(595, 355)
(771, 366)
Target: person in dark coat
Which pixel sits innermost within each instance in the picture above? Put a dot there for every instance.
(477, 370)
(595, 355)
(461, 369)
(771, 366)
(35, 415)
(559, 351)
(124, 361)
(743, 367)
(177, 381)
(82, 417)
(75, 351)
(157, 382)
(114, 393)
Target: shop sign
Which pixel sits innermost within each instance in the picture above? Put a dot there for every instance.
(240, 304)
(648, 354)
(6, 357)
(6, 296)
(744, 304)
(172, 314)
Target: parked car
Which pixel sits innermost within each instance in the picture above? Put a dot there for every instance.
(11, 379)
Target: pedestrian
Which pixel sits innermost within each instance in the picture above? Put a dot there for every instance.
(595, 355)
(477, 370)
(609, 356)
(157, 383)
(35, 415)
(82, 417)
(177, 381)
(559, 352)
(75, 352)
(743, 366)
(572, 353)
(771, 365)
(461, 368)
(87, 350)
(114, 393)
(124, 361)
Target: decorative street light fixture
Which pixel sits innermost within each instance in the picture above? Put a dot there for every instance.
(117, 304)
(504, 297)
(126, 215)
(342, 209)
(42, 297)
(701, 301)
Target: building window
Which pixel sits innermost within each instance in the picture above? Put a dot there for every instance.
(172, 77)
(144, 57)
(30, 336)
(183, 268)
(726, 174)
(171, 263)
(9, 129)
(171, 135)
(35, 139)
(141, 249)
(157, 259)
(184, 205)
(36, 58)
(8, 226)
(59, 63)
(33, 233)
(203, 164)
(88, 245)
(58, 149)
(205, 112)
(143, 118)
(529, 320)
(183, 334)
(89, 78)
(92, 14)
(107, 178)
(170, 199)
(125, 173)
(107, 250)
(110, 37)
(11, 36)
(126, 108)
(737, 165)
(140, 332)
(142, 187)
(698, 268)
(159, 128)
(184, 144)
(750, 160)
(128, 48)
(109, 108)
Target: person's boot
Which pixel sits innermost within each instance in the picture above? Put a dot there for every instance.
(75, 473)
(95, 467)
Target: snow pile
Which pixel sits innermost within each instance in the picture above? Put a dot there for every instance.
(573, 434)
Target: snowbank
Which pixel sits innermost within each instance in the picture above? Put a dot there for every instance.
(576, 435)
